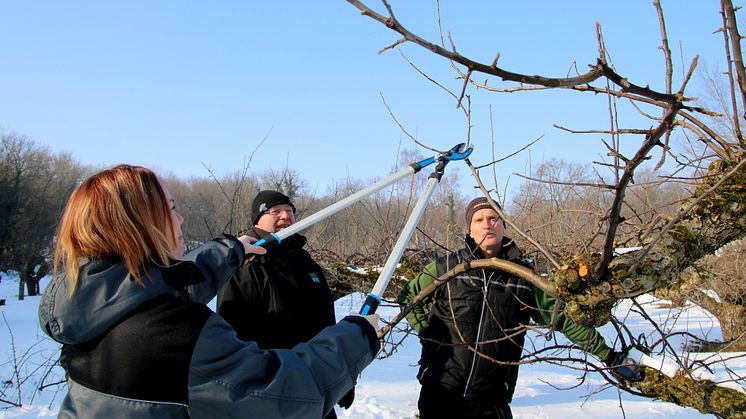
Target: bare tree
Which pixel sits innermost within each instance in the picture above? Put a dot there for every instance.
(288, 181)
(713, 214)
(34, 185)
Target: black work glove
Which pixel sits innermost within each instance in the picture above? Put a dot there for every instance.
(346, 401)
(624, 368)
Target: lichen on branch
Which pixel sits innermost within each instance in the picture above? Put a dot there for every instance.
(718, 218)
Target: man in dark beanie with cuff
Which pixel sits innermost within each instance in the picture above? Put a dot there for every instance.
(282, 298)
(492, 309)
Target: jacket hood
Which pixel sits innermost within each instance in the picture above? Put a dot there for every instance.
(106, 292)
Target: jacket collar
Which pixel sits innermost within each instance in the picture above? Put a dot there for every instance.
(509, 250)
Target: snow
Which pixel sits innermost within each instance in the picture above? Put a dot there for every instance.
(388, 389)
(624, 250)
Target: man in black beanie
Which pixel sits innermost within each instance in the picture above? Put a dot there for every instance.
(281, 298)
(265, 201)
(492, 309)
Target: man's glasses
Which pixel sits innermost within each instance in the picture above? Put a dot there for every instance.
(276, 211)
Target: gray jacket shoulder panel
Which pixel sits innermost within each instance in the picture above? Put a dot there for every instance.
(82, 402)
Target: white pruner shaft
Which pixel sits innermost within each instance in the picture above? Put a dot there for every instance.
(372, 300)
(273, 238)
(344, 203)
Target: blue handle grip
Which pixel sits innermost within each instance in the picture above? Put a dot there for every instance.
(370, 305)
(268, 241)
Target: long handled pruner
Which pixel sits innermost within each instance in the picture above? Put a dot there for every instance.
(373, 299)
(458, 152)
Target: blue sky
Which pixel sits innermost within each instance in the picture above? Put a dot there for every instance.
(181, 86)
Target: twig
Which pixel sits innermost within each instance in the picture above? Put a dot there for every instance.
(509, 155)
(731, 30)
(578, 184)
(404, 130)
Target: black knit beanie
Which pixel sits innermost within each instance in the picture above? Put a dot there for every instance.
(265, 200)
(475, 205)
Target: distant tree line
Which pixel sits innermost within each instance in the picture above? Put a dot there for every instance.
(35, 183)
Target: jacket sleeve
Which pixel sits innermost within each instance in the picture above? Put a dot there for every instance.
(418, 317)
(231, 378)
(216, 260)
(587, 338)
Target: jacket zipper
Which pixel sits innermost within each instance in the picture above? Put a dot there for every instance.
(485, 290)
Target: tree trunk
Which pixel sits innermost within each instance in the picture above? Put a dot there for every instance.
(732, 318)
(32, 286)
(21, 282)
(34, 272)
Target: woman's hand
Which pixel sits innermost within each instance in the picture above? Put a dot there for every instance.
(373, 319)
(249, 249)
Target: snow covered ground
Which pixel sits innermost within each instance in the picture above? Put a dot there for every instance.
(387, 388)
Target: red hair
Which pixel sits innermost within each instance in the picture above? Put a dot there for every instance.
(120, 212)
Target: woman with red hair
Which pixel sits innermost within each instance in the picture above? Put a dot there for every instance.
(137, 337)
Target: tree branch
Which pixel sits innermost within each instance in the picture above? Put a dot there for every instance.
(614, 217)
(493, 263)
(731, 26)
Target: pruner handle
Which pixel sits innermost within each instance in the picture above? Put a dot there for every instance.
(370, 304)
(269, 241)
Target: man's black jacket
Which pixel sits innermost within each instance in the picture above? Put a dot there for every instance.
(279, 299)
